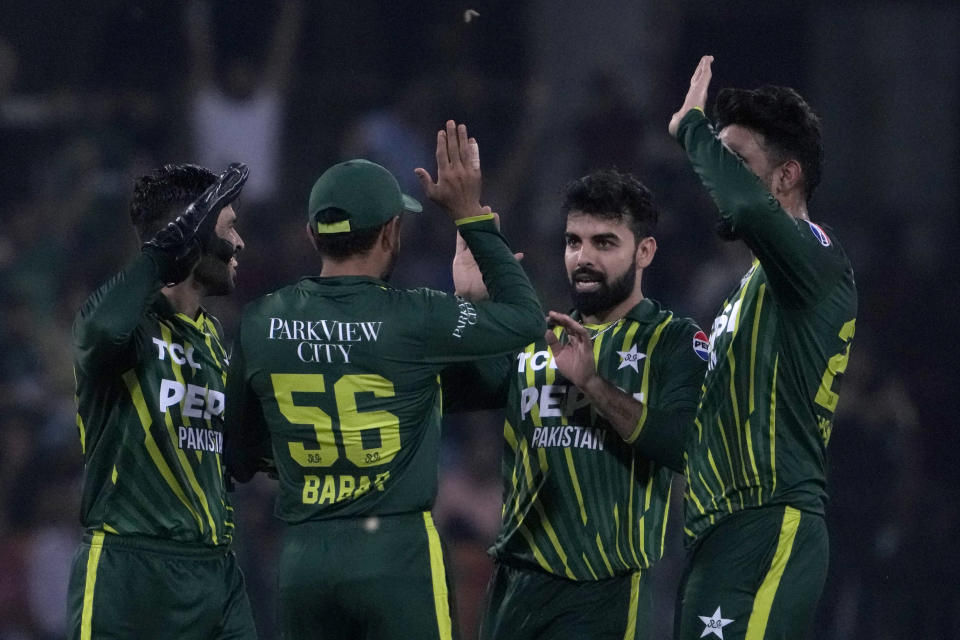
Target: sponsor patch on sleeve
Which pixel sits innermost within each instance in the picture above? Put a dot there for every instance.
(701, 345)
(819, 233)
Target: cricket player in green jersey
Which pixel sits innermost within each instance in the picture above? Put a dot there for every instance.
(595, 421)
(337, 379)
(755, 464)
(150, 367)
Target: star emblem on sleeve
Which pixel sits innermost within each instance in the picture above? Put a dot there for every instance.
(630, 358)
(714, 624)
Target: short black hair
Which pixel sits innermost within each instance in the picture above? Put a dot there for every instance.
(342, 245)
(161, 196)
(784, 119)
(609, 193)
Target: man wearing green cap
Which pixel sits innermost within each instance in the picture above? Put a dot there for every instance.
(335, 383)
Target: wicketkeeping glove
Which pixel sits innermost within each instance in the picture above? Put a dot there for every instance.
(177, 247)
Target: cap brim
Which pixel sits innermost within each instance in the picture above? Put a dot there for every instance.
(411, 204)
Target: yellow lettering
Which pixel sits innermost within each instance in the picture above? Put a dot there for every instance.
(362, 487)
(380, 479)
(370, 438)
(284, 385)
(826, 429)
(347, 483)
(310, 486)
(329, 492)
(836, 365)
(383, 427)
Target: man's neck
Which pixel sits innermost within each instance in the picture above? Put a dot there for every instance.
(184, 297)
(367, 265)
(794, 204)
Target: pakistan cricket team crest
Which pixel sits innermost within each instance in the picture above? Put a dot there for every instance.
(630, 358)
(713, 625)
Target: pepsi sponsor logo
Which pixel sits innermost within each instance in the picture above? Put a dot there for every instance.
(701, 345)
(819, 234)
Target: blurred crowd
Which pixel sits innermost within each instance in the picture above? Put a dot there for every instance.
(93, 96)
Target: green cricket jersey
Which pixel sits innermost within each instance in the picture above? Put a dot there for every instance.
(150, 404)
(778, 350)
(579, 501)
(339, 376)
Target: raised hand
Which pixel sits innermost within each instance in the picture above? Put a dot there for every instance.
(203, 212)
(176, 248)
(457, 189)
(574, 358)
(697, 94)
(467, 279)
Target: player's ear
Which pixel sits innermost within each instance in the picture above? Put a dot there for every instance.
(390, 234)
(645, 250)
(790, 175)
(310, 236)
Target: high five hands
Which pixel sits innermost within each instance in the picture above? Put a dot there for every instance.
(696, 95)
(457, 188)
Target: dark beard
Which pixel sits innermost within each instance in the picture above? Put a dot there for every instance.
(607, 296)
(213, 274)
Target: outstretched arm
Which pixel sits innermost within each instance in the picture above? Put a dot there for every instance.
(106, 322)
(512, 317)
(799, 258)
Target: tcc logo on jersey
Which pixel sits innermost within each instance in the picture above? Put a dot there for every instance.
(177, 353)
(701, 345)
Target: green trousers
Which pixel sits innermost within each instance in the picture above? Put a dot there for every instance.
(528, 604)
(127, 587)
(755, 575)
(374, 578)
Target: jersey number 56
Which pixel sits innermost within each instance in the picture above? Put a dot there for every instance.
(353, 423)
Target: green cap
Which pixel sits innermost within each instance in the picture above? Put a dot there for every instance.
(366, 191)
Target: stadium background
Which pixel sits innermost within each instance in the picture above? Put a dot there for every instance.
(93, 94)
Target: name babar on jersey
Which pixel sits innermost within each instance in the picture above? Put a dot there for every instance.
(564, 402)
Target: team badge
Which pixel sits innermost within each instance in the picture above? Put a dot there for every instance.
(631, 358)
(819, 233)
(713, 625)
(701, 345)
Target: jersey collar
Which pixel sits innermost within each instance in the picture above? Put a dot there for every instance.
(644, 311)
(317, 283)
(163, 308)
